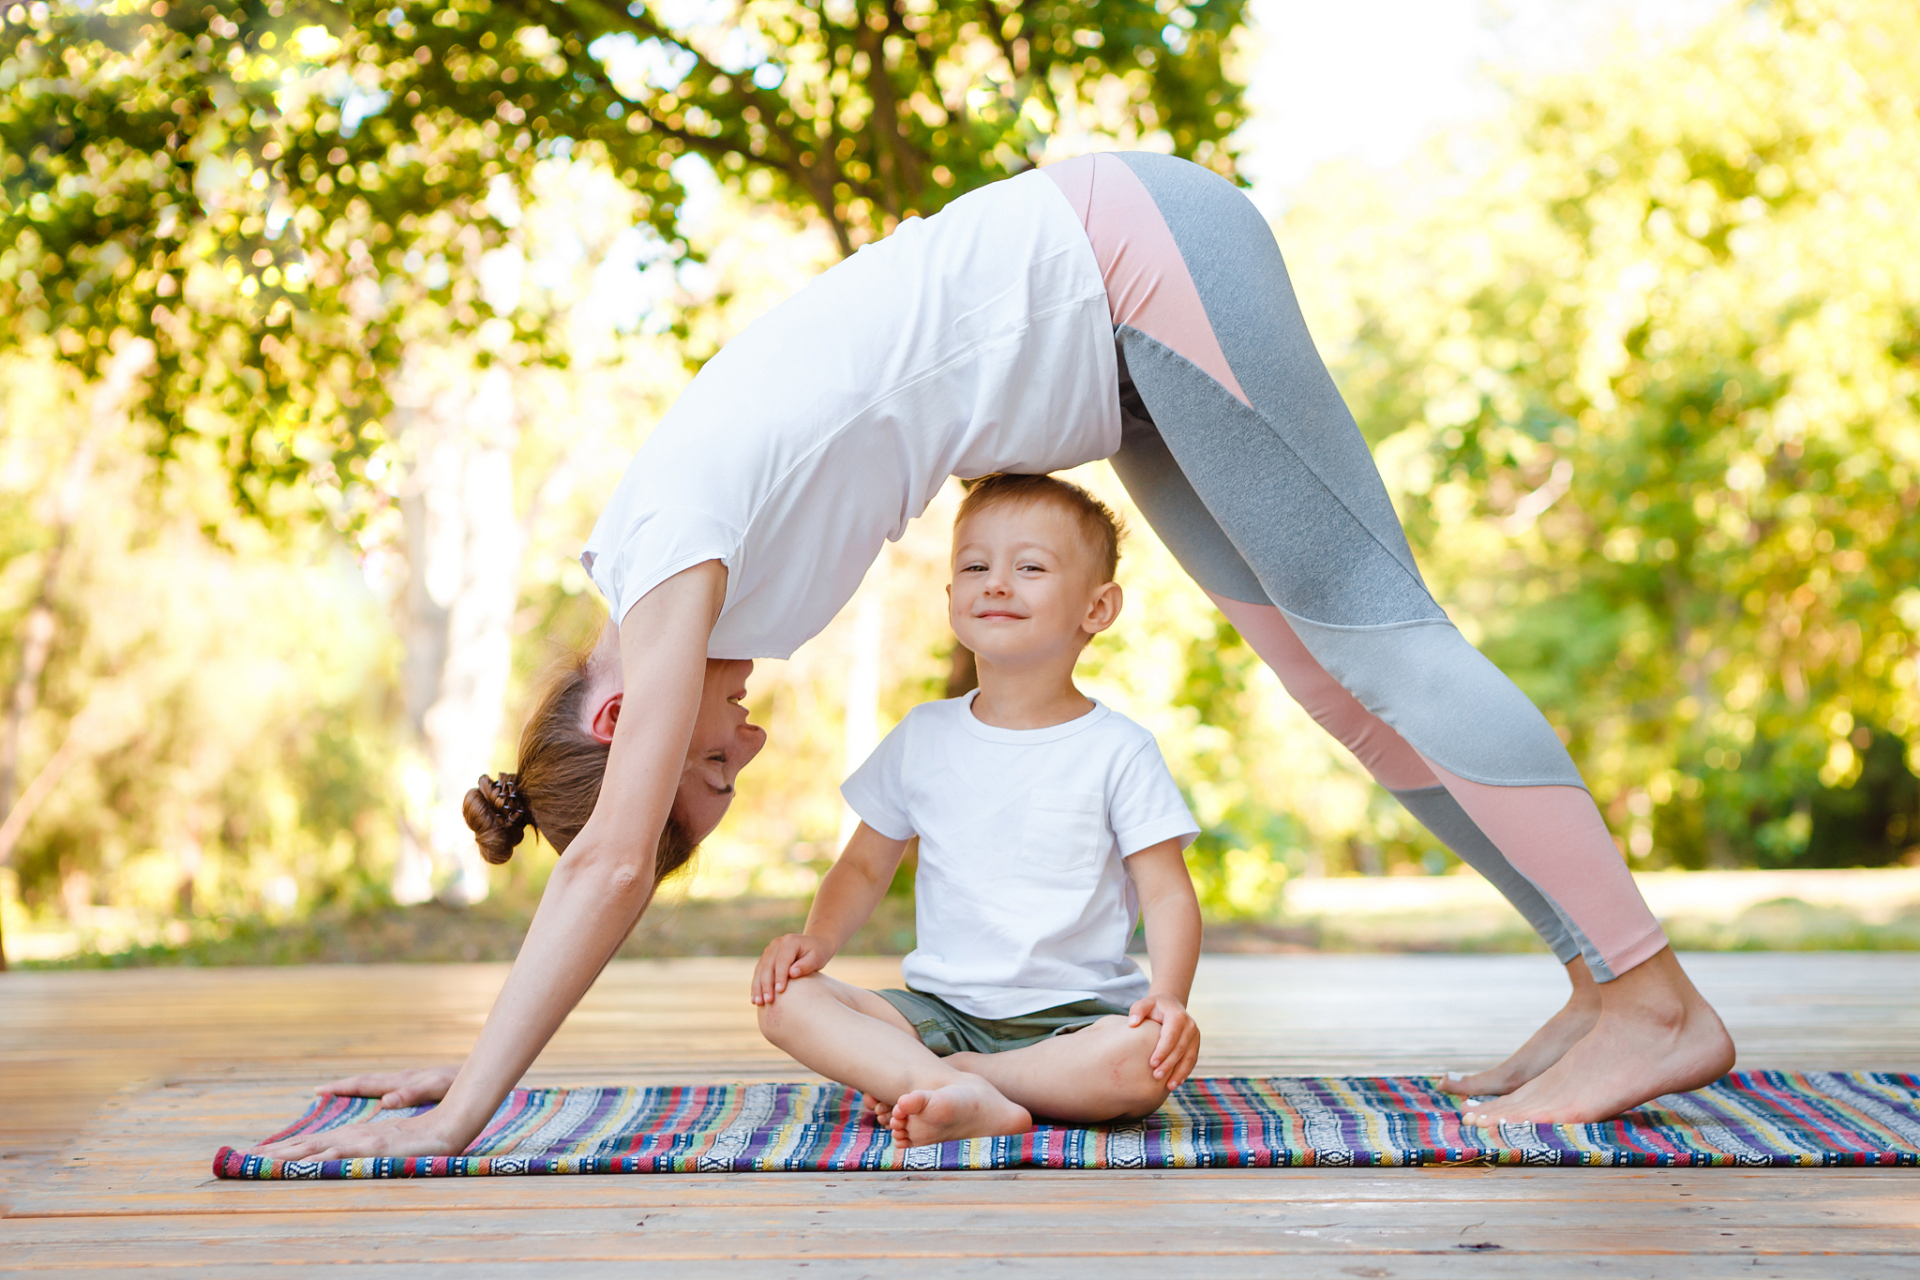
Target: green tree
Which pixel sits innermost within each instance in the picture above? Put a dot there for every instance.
(275, 193)
(1648, 389)
(293, 202)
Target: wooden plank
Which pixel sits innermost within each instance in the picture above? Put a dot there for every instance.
(1191, 1246)
(228, 1056)
(76, 1036)
(875, 1219)
(1843, 1192)
(883, 1230)
(1462, 1265)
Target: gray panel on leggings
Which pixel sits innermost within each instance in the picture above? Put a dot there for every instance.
(1236, 266)
(1312, 555)
(1157, 486)
(1443, 695)
(1441, 814)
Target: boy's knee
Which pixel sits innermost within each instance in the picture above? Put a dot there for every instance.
(1136, 1093)
(1144, 1095)
(1142, 1100)
(777, 1018)
(770, 1017)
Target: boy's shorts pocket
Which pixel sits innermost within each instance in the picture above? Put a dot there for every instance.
(1066, 830)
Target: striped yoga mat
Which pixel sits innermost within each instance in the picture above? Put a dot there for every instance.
(1749, 1118)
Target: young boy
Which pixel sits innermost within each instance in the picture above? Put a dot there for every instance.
(1045, 822)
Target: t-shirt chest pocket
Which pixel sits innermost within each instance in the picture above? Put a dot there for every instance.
(1065, 830)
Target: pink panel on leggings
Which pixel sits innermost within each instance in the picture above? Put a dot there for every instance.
(1386, 755)
(1556, 838)
(1148, 286)
(1552, 835)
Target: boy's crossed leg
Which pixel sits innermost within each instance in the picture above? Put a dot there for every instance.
(1096, 1074)
(850, 1034)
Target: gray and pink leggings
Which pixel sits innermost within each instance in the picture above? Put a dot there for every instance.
(1240, 452)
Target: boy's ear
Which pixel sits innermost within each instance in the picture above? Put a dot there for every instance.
(1104, 608)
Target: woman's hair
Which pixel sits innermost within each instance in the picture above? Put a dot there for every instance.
(558, 783)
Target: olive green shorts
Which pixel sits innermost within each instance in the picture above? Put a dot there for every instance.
(945, 1029)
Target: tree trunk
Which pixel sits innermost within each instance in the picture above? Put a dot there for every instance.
(963, 671)
(106, 413)
(865, 655)
(463, 549)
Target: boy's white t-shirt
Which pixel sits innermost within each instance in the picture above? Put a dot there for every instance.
(1022, 901)
(973, 341)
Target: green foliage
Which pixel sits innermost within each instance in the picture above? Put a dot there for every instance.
(225, 690)
(1250, 846)
(296, 200)
(1647, 390)
(279, 194)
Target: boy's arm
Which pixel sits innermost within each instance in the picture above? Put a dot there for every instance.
(848, 893)
(1171, 914)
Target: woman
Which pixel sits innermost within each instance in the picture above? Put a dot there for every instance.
(1127, 306)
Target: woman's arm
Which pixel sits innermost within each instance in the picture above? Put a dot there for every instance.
(851, 889)
(1171, 914)
(597, 891)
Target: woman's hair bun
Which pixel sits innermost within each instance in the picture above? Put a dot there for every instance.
(497, 811)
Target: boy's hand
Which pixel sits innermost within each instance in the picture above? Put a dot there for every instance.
(1179, 1047)
(789, 956)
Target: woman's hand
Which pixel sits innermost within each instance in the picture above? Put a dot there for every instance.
(419, 1135)
(1179, 1045)
(789, 956)
(408, 1088)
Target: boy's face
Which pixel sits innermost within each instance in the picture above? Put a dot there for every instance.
(1027, 586)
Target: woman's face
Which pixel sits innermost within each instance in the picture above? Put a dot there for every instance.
(723, 744)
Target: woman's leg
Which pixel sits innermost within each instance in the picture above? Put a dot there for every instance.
(1278, 505)
(1150, 292)
(1412, 781)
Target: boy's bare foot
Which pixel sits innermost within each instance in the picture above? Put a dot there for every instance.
(1544, 1047)
(881, 1112)
(1655, 1035)
(967, 1108)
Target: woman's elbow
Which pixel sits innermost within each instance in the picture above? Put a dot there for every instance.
(621, 879)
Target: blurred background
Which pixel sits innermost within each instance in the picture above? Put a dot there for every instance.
(325, 327)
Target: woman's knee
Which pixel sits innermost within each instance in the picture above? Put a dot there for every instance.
(1333, 707)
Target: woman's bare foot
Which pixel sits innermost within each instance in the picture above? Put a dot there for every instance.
(1542, 1049)
(1655, 1035)
(969, 1107)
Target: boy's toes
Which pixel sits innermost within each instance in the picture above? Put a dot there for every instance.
(967, 1108)
(904, 1108)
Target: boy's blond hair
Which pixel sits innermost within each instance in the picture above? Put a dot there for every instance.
(1098, 524)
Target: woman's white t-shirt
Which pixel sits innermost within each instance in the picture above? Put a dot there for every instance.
(1022, 900)
(974, 341)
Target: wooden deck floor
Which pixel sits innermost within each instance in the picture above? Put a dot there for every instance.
(170, 1064)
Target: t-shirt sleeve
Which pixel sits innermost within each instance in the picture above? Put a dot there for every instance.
(875, 790)
(1146, 806)
(632, 552)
